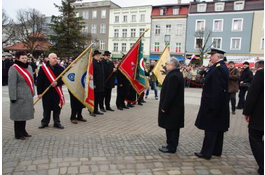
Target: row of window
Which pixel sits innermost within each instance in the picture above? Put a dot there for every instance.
(163, 11)
(94, 28)
(219, 6)
(178, 30)
(237, 25)
(177, 48)
(123, 47)
(124, 33)
(85, 14)
(125, 18)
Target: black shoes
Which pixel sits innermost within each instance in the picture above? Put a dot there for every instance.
(233, 112)
(140, 104)
(120, 108)
(130, 105)
(239, 108)
(93, 114)
(103, 110)
(164, 149)
(200, 155)
(109, 109)
(125, 107)
(59, 126)
(99, 113)
(42, 126)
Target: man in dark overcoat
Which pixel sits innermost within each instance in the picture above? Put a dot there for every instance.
(99, 82)
(254, 114)
(213, 116)
(123, 88)
(109, 69)
(171, 105)
(51, 99)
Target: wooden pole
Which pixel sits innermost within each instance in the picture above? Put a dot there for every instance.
(65, 70)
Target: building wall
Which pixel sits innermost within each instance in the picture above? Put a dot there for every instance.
(257, 33)
(137, 25)
(227, 32)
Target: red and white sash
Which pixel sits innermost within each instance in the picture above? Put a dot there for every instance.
(26, 75)
(51, 78)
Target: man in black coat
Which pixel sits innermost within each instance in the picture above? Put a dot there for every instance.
(123, 88)
(213, 116)
(245, 80)
(254, 114)
(51, 99)
(99, 82)
(109, 68)
(171, 106)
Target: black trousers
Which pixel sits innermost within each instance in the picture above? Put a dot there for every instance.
(4, 80)
(76, 114)
(20, 129)
(213, 143)
(98, 100)
(257, 147)
(241, 95)
(107, 97)
(172, 139)
(233, 101)
(47, 116)
(120, 100)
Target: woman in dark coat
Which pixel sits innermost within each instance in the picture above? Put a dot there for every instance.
(171, 106)
(21, 92)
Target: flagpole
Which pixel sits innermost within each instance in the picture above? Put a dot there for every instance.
(141, 36)
(65, 70)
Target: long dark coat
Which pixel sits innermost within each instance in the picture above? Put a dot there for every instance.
(108, 69)
(51, 99)
(214, 110)
(172, 101)
(99, 78)
(254, 105)
(122, 80)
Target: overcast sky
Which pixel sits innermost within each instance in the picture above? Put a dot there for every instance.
(46, 6)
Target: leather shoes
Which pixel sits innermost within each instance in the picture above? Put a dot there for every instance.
(82, 120)
(74, 121)
(21, 138)
(42, 126)
(130, 105)
(125, 107)
(166, 150)
(233, 112)
(163, 146)
(200, 155)
(103, 110)
(93, 114)
(59, 126)
(28, 135)
(109, 109)
(99, 113)
(120, 108)
(140, 104)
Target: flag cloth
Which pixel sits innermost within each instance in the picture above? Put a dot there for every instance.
(79, 80)
(160, 68)
(132, 66)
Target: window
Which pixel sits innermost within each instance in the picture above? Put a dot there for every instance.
(239, 5)
(198, 43)
(124, 33)
(142, 17)
(179, 29)
(123, 47)
(85, 14)
(85, 29)
(237, 24)
(116, 19)
(175, 11)
(94, 28)
(102, 28)
(218, 25)
(163, 11)
(201, 7)
(156, 49)
(124, 18)
(200, 25)
(115, 47)
(217, 43)
(116, 33)
(102, 45)
(178, 47)
(168, 29)
(235, 44)
(103, 13)
(141, 31)
(133, 18)
(157, 30)
(94, 14)
(77, 14)
(262, 44)
(133, 32)
(219, 6)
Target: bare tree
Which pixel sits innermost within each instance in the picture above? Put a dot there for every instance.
(8, 33)
(30, 27)
(202, 39)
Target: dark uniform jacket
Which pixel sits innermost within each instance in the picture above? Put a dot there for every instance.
(51, 99)
(108, 69)
(99, 78)
(246, 76)
(254, 105)
(214, 110)
(172, 101)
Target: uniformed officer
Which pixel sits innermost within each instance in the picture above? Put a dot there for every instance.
(213, 116)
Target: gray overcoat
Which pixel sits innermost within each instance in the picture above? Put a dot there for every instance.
(19, 90)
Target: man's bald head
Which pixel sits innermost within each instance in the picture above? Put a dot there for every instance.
(52, 59)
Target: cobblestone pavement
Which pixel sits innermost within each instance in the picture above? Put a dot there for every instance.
(120, 142)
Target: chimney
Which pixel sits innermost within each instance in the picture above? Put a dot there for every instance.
(179, 1)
